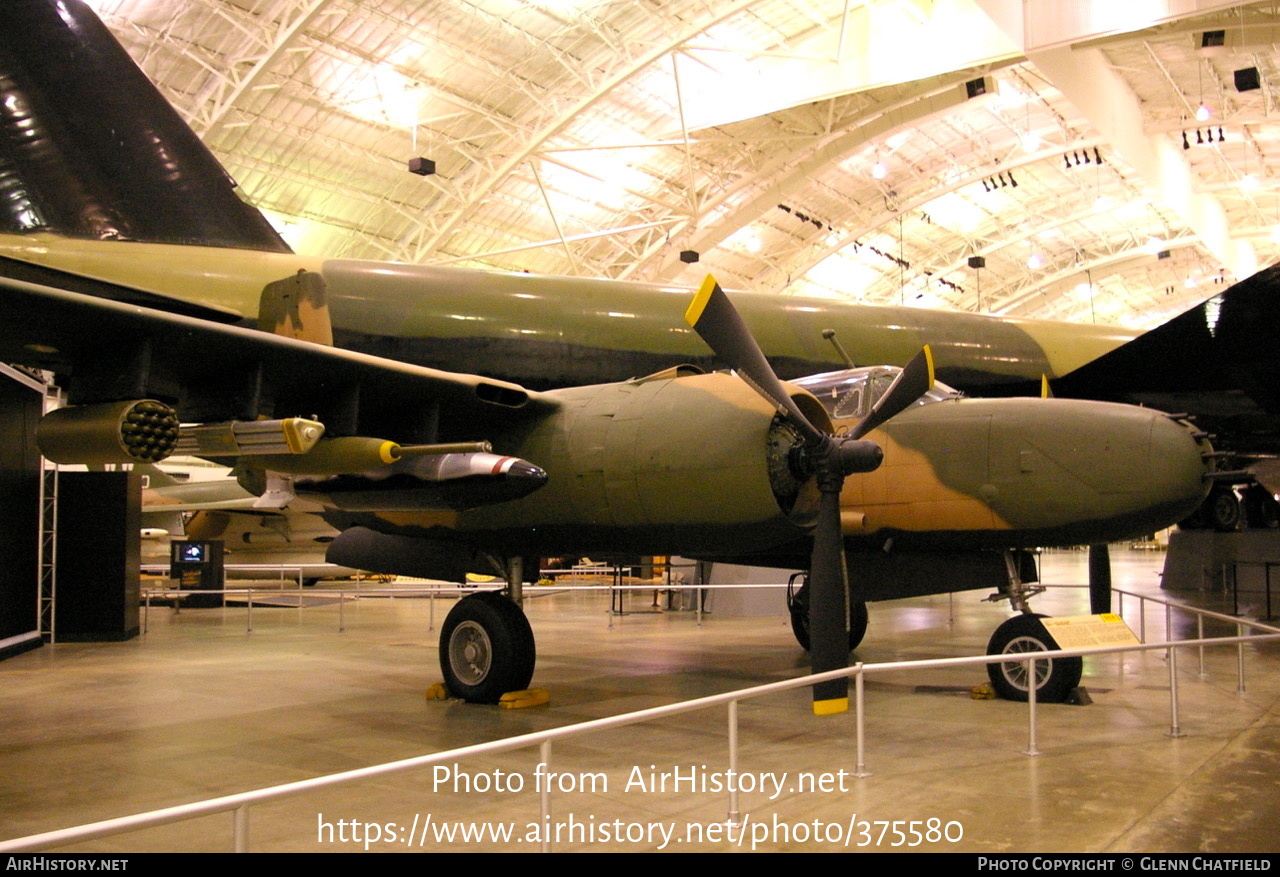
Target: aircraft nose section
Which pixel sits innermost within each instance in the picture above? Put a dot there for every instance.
(1179, 459)
(1147, 467)
(1147, 455)
(1085, 472)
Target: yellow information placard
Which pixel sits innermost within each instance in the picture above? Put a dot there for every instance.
(1090, 631)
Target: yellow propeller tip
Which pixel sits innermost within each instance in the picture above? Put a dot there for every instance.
(834, 706)
(699, 303)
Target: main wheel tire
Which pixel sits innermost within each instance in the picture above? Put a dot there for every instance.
(486, 648)
(799, 608)
(1056, 678)
(1222, 509)
(1261, 511)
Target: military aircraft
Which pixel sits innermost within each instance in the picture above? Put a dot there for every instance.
(432, 473)
(215, 506)
(108, 193)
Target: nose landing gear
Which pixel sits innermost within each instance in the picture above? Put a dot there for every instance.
(1053, 678)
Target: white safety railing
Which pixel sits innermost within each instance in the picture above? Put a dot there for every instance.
(238, 804)
(342, 595)
(273, 570)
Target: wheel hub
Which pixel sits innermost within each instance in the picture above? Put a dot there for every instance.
(1016, 672)
(470, 653)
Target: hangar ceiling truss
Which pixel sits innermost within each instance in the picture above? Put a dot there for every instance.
(826, 147)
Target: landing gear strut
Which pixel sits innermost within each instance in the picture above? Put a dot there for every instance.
(1054, 678)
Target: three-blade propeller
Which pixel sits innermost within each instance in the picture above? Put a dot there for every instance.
(829, 459)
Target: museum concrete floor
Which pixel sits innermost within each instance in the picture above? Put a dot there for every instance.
(199, 707)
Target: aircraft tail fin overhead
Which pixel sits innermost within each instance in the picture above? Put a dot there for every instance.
(89, 148)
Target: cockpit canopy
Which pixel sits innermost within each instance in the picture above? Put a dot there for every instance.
(849, 394)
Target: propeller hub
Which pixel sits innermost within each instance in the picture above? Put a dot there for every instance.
(858, 455)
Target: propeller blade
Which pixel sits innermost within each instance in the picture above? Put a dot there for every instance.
(718, 323)
(829, 608)
(911, 383)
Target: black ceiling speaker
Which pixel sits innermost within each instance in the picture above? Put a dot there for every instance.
(1247, 79)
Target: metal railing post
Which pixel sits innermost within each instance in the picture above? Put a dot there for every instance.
(1240, 661)
(240, 828)
(544, 796)
(1031, 708)
(1174, 729)
(1204, 674)
(734, 811)
(860, 768)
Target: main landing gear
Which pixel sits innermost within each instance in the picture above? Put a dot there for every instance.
(798, 606)
(486, 648)
(1054, 678)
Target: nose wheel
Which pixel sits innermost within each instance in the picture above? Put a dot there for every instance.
(486, 648)
(1054, 678)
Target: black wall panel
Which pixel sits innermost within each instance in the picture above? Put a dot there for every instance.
(99, 548)
(19, 517)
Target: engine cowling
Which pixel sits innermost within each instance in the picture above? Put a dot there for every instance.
(673, 462)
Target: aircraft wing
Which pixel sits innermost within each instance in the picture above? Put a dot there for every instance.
(1217, 362)
(108, 351)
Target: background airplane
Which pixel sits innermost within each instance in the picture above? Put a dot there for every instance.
(205, 503)
(152, 217)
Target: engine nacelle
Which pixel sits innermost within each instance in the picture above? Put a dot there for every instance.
(361, 548)
(134, 431)
(673, 462)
